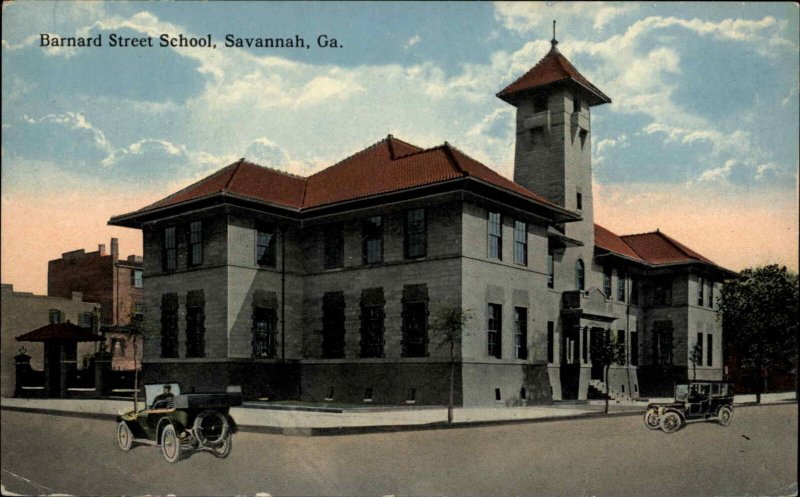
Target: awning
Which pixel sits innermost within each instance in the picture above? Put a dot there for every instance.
(65, 332)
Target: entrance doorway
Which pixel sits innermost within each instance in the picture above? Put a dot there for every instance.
(595, 341)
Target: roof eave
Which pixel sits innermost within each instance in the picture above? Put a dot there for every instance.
(600, 97)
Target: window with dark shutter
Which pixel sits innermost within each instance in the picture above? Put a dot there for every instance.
(334, 246)
(333, 330)
(494, 330)
(195, 243)
(416, 234)
(372, 236)
(495, 235)
(521, 332)
(266, 245)
(169, 325)
(169, 250)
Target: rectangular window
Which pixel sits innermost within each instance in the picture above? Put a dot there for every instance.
(621, 279)
(333, 330)
(551, 331)
(195, 324)
(495, 330)
(607, 282)
(416, 236)
(495, 236)
(372, 235)
(621, 337)
(700, 286)
(709, 349)
(138, 311)
(662, 331)
(86, 320)
(579, 201)
(265, 324)
(520, 243)
(415, 329)
(136, 278)
(662, 294)
(634, 291)
(521, 332)
(54, 316)
(372, 322)
(585, 348)
(195, 243)
(169, 325)
(551, 273)
(634, 348)
(334, 246)
(711, 294)
(539, 103)
(266, 245)
(576, 102)
(699, 345)
(169, 250)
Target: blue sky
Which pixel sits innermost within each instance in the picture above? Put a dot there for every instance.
(701, 138)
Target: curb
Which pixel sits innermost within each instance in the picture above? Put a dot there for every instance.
(364, 430)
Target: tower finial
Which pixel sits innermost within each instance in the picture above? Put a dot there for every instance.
(554, 42)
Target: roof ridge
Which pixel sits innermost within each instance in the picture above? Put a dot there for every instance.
(276, 170)
(421, 151)
(449, 149)
(501, 92)
(233, 174)
(350, 156)
(219, 172)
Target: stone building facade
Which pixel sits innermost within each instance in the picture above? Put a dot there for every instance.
(116, 283)
(23, 312)
(323, 288)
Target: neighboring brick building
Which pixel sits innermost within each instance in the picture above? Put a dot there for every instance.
(322, 287)
(23, 312)
(105, 278)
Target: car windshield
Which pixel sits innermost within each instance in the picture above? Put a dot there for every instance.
(681, 393)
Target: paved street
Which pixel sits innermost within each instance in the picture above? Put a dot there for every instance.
(756, 455)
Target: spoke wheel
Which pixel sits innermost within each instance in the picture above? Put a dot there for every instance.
(170, 444)
(671, 422)
(651, 419)
(124, 436)
(224, 449)
(725, 416)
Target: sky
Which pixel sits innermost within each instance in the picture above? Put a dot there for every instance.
(701, 139)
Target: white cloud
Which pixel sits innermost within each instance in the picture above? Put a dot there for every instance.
(412, 41)
(77, 121)
(530, 16)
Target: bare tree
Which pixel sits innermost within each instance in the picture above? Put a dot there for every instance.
(696, 357)
(449, 322)
(606, 352)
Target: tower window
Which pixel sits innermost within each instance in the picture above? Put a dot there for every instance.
(579, 275)
(539, 103)
(576, 102)
(579, 200)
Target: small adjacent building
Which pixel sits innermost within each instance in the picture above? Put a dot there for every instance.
(116, 283)
(23, 312)
(324, 287)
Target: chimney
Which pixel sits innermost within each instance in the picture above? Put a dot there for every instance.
(102, 249)
(114, 248)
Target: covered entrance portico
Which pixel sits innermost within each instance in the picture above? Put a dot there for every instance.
(60, 354)
(585, 318)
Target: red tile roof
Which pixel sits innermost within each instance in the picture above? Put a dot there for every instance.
(60, 331)
(553, 68)
(612, 242)
(658, 248)
(387, 166)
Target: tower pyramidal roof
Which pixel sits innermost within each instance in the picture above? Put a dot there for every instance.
(554, 68)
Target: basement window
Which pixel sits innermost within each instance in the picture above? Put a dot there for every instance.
(411, 398)
(368, 395)
(330, 394)
(497, 396)
(523, 394)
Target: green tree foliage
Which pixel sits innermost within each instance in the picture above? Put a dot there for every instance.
(696, 357)
(605, 352)
(448, 322)
(759, 312)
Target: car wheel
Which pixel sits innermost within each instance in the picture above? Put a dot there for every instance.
(651, 419)
(224, 449)
(124, 436)
(724, 415)
(211, 428)
(671, 422)
(170, 444)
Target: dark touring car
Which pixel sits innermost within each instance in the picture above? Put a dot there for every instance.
(180, 422)
(694, 401)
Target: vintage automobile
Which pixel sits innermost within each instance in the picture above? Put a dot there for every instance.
(694, 401)
(180, 422)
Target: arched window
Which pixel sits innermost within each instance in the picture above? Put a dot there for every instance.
(579, 275)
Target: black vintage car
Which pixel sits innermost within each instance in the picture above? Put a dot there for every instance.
(694, 401)
(179, 422)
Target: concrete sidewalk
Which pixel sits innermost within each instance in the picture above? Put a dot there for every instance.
(286, 421)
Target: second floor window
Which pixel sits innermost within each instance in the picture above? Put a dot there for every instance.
(634, 291)
(711, 294)
(266, 246)
(607, 282)
(170, 250)
(700, 286)
(580, 281)
(495, 330)
(551, 270)
(55, 316)
(495, 236)
(334, 246)
(372, 236)
(195, 243)
(520, 243)
(136, 278)
(415, 242)
(621, 286)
